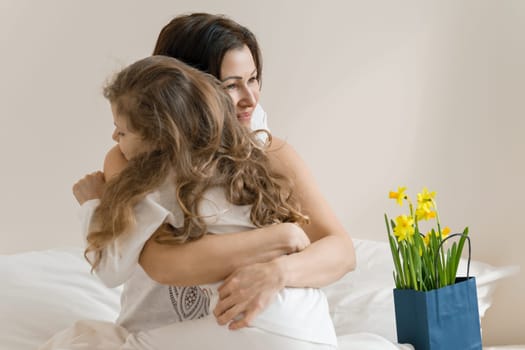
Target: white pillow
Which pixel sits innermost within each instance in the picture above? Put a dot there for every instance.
(44, 292)
(362, 301)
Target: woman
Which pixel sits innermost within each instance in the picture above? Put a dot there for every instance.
(251, 272)
(192, 170)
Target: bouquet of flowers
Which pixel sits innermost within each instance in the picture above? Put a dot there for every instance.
(429, 300)
(420, 261)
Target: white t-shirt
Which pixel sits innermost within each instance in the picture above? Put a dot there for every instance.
(259, 119)
(300, 313)
(260, 122)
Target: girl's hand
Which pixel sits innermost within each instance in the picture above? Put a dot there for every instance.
(247, 292)
(298, 238)
(89, 187)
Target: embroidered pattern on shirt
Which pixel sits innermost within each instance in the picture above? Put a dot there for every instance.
(190, 303)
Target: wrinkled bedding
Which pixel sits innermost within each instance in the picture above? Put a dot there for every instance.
(44, 292)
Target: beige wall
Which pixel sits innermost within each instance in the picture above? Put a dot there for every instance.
(373, 94)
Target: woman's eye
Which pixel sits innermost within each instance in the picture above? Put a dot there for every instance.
(253, 80)
(231, 87)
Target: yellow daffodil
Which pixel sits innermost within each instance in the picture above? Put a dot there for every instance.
(435, 267)
(404, 229)
(399, 195)
(425, 196)
(426, 238)
(445, 232)
(424, 211)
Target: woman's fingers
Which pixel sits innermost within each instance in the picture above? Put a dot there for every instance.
(234, 312)
(246, 293)
(228, 285)
(247, 317)
(222, 307)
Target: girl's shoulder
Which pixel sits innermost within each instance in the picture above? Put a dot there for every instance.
(114, 162)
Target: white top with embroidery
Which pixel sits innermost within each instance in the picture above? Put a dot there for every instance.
(300, 313)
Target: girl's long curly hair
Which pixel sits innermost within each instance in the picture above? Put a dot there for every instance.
(191, 123)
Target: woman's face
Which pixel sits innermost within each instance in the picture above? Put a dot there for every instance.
(239, 78)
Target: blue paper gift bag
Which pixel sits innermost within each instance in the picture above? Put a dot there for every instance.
(442, 319)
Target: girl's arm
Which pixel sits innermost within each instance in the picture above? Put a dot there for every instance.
(114, 162)
(118, 260)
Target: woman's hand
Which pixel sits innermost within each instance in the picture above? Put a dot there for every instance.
(247, 292)
(251, 288)
(89, 187)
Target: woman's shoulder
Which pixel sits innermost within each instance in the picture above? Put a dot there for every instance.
(276, 144)
(281, 148)
(283, 157)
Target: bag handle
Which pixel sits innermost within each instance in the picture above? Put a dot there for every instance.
(441, 246)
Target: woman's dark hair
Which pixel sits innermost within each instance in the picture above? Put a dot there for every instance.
(201, 40)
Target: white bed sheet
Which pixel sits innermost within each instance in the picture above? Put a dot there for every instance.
(44, 292)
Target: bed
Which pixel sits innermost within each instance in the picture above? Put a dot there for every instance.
(45, 291)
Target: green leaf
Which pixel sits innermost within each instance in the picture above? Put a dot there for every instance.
(412, 265)
(461, 244)
(452, 266)
(406, 268)
(448, 262)
(387, 226)
(395, 257)
(394, 249)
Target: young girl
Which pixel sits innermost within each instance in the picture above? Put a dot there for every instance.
(192, 169)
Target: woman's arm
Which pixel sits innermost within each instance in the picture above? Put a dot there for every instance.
(250, 286)
(213, 257)
(222, 254)
(320, 264)
(331, 255)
